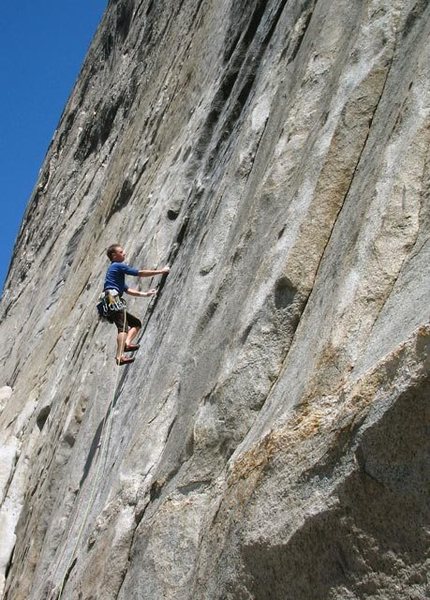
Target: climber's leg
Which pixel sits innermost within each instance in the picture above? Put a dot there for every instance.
(134, 327)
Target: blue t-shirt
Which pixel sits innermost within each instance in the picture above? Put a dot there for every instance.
(115, 276)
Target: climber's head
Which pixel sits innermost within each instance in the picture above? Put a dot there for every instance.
(115, 253)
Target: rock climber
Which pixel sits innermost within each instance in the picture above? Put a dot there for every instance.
(114, 288)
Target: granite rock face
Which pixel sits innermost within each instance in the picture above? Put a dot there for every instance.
(271, 441)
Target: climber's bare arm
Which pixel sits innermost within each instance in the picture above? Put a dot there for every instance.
(133, 292)
(152, 272)
(148, 273)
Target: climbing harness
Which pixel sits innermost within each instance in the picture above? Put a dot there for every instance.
(110, 301)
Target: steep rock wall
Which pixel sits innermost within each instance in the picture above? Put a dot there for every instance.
(271, 440)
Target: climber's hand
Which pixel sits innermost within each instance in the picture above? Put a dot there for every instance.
(151, 292)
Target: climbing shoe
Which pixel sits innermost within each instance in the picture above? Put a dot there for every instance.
(131, 347)
(124, 360)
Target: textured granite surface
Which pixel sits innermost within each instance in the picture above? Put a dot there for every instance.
(271, 440)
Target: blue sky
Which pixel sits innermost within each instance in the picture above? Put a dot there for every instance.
(42, 47)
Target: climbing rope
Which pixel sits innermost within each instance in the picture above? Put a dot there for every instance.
(104, 437)
(107, 423)
(71, 348)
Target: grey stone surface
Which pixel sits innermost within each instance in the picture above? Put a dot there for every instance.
(271, 441)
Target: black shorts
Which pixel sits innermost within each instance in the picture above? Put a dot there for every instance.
(117, 317)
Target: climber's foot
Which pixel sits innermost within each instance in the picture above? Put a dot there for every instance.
(131, 347)
(124, 360)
